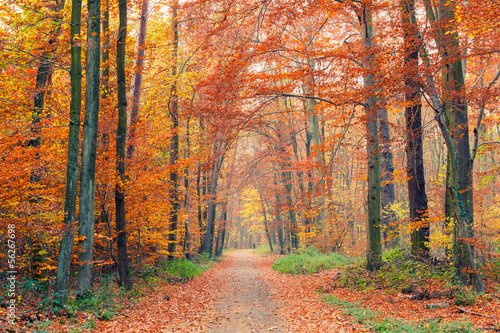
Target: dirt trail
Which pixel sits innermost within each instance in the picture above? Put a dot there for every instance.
(241, 294)
(246, 306)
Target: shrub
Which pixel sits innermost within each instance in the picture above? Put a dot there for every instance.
(183, 269)
(309, 261)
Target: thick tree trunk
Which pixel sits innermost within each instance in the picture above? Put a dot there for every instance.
(374, 246)
(209, 235)
(459, 209)
(286, 179)
(460, 170)
(90, 126)
(388, 194)
(174, 142)
(64, 263)
(417, 196)
(121, 138)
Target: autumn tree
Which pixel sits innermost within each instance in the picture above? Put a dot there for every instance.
(90, 126)
(64, 262)
(417, 197)
(121, 137)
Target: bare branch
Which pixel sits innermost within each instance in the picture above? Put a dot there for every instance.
(320, 99)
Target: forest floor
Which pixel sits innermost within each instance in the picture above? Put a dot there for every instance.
(240, 294)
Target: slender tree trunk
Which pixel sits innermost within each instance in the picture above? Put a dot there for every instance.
(43, 76)
(222, 229)
(266, 225)
(64, 263)
(374, 246)
(200, 213)
(90, 126)
(105, 52)
(133, 116)
(417, 196)
(186, 248)
(121, 138)
(217, 242)
(174, 142)
(279, 225)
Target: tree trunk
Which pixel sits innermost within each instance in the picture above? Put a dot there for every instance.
(90, 126)
(64, 263)
(286, 179)
(266, 225)
(374, 246)
(186, 248)
(133, 116)
(121, 138)
(174, 142)
(417, 196)
(466, 254)
(105, 52)
(43, 75)
(209, 235)
(279, 225)
(460, 170)
(388, 195)
(222, 228)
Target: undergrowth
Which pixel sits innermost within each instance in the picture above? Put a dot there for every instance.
(262, 250)
(309, 261)
(377, 322)
(401, 272)
(107, 300)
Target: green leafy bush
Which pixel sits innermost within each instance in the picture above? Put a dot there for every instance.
(309, 261)
(262, 250)
(183, 269)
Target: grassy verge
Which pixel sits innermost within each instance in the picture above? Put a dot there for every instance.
(379, 323)
(309, 261)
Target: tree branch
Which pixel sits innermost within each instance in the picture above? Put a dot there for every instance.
(320, 99)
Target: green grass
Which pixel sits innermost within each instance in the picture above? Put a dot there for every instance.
(183, 269)
(309, 261)
(262, 250)
(379, 323)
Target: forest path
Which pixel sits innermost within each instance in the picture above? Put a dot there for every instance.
(241, 294)
(246, 306)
